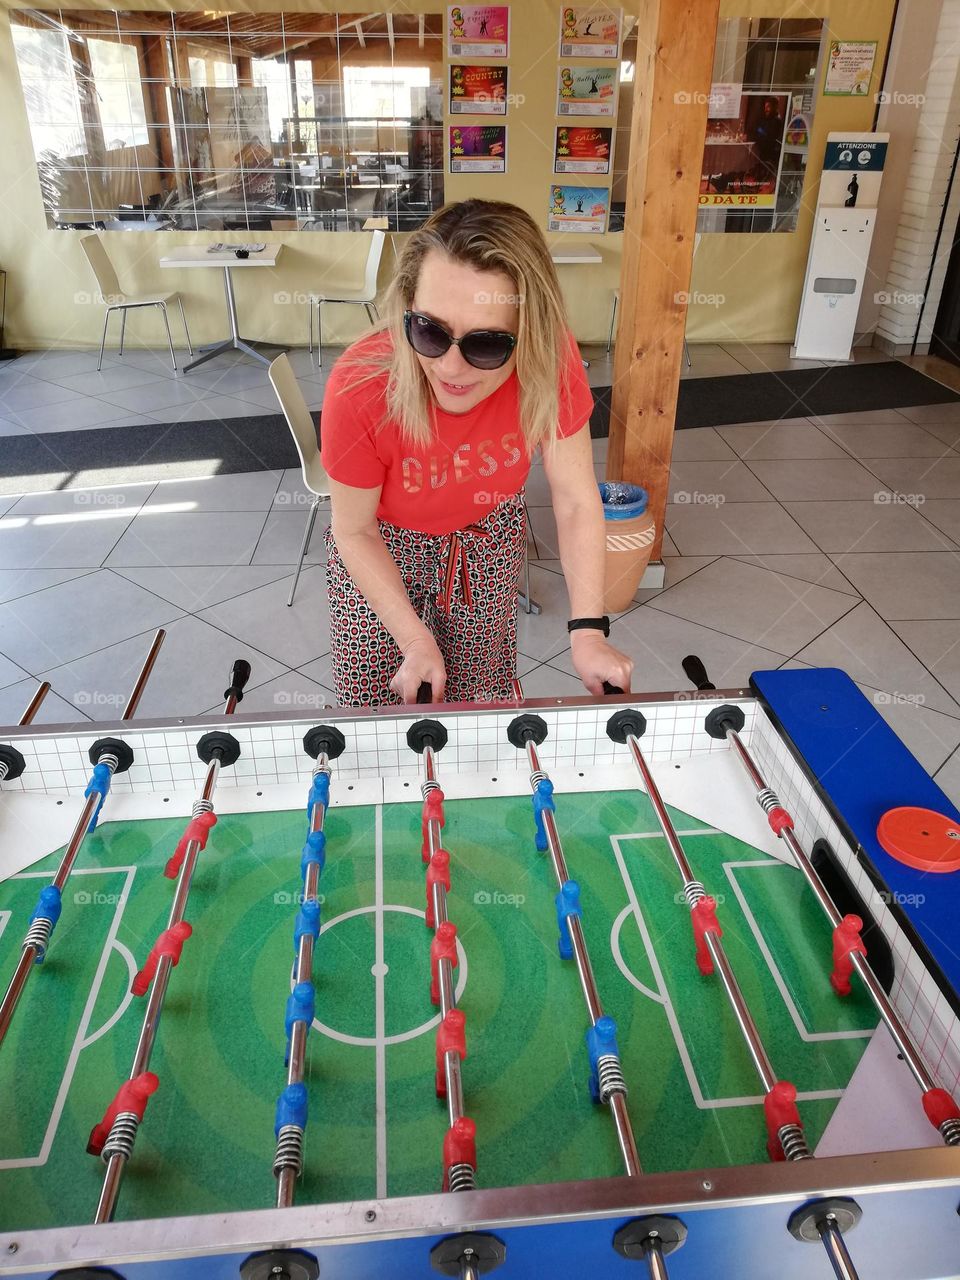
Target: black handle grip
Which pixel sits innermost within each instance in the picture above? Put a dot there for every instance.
(425, 692)
(696, 672)
(238, 679)
(611, 688)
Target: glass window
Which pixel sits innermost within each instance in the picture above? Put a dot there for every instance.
(116, 81)
(50, 91)
(382, 91)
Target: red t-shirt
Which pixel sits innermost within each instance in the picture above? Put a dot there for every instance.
(476, 461)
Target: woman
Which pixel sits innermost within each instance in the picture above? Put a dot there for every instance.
(428, 427)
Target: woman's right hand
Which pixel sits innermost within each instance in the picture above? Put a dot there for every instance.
(422, 664)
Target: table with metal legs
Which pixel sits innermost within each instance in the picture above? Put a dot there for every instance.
(191, 256)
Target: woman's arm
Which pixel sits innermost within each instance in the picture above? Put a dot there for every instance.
(374, 570)
(582, 545)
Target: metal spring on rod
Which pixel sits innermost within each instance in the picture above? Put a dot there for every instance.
(4, 770)
(693, 892)
(122, 1136)
(202, 806)
(794, 1142)
(462, 1177)
(950, 1132)
(289, 1150)
(610, 1077)
(427, 787)
(768, 799)
(38, 937)
(537, 777)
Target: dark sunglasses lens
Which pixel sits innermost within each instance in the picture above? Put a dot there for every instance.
(486, 350)
(426, 337)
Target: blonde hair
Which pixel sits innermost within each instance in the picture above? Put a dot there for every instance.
(488, 235)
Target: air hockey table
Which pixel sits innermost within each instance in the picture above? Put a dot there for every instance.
(493, 1123)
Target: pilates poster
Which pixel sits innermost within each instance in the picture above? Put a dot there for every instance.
(588, 31)
(578, 149)
(478, 30)
(578, 209)
(478, 91)
(478, 148)
(586, 91)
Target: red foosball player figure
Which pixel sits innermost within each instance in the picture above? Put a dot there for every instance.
(131, 1098)
(460, 1155)
(443, 947)
(432, 812)
(169, 944)
(451, 1035)
(438, 872)
(846, 943)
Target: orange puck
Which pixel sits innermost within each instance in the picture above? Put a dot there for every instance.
(921, 838)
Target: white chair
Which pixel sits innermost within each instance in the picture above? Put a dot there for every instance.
(364, 297)
(304, 432)
(616, 304)
(116, 300)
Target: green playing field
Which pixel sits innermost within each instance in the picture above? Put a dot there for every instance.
(375, 1124)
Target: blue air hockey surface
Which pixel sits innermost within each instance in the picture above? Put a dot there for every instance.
(880, 1175)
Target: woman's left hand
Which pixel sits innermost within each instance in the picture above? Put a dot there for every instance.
(595, 660)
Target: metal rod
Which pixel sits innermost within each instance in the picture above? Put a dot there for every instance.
(836, 1249)
(588, 985)
(881, 1000)
(116, 1163)
(741, 1011)
(653, 1256)
(136, 692)
(33, 706)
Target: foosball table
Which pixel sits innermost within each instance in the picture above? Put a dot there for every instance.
(657, 985)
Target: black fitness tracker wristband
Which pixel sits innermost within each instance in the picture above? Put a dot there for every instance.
(590, 624)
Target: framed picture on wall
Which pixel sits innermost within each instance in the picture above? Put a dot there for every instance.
(478, 30)
(582, 149)
(478, 91)
(590, 31)
(583, 209)
(586, 91)
(478, 148)
(743, 154)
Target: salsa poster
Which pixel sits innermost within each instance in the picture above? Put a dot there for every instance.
(478, 30)
(587, 31)
(578, 209)
(587, 91)
(478, 148)
(582, 149)
(478, 91)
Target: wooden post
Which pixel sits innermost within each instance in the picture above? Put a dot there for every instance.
(672, 80)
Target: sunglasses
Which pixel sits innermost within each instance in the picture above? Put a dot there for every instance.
(481, 348)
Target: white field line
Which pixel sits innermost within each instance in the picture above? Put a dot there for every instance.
(80, 1039)
(802, 1031)
(704, 1104)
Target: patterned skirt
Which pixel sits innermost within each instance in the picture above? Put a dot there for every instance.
(463, 586)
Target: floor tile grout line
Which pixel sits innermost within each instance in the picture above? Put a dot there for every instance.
(118, 571)
(77, 574)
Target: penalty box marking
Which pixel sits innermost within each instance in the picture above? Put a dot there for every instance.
(802, 1030)
(663, 998)
(81, 1040)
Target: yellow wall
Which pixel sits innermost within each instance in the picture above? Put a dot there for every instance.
(760, 276)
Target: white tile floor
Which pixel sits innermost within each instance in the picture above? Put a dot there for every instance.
(833, 541)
